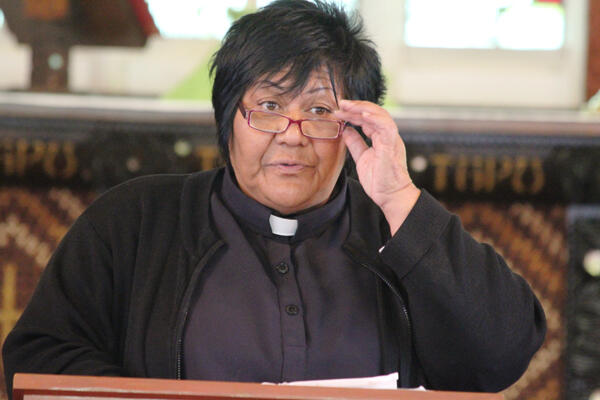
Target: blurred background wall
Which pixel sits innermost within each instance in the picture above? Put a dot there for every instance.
(475, 53)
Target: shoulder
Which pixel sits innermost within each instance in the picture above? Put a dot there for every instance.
(151, 196)
(162, 187)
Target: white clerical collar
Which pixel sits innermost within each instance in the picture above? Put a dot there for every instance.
(268, 223)
(283, 226)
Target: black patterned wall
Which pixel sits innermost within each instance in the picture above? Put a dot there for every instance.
(514, 190)
(583, 307)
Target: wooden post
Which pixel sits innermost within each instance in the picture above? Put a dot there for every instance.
(49, 67)
(593, 65)
(50, 58)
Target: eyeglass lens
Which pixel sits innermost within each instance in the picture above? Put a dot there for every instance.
(276, 124)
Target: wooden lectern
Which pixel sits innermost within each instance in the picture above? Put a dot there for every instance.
(69, 387)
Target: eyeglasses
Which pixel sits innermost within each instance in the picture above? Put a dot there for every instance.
(271, 122)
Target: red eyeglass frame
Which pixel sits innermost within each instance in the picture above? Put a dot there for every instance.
(341, 124)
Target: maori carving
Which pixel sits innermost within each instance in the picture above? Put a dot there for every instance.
(107, 155)
(483, 174)
(53, 159)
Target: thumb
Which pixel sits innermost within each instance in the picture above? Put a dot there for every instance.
(354, 142)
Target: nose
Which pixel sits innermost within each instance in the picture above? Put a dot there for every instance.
(292, 136)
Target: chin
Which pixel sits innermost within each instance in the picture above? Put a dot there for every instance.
(290, 201)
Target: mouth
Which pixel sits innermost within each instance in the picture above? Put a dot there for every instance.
(288, 166)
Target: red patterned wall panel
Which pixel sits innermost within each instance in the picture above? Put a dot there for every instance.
(32, 222)
(532, 239)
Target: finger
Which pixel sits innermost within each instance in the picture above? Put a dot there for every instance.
(359, 110)
(354, 119)
(361, 106)
(354, 142)
(360, 126)
(371, 123)
(386, 130)
(361, 118)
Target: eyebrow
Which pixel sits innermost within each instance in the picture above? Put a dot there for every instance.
(265, 84)
(319, 88)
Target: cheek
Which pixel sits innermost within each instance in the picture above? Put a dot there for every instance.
(331, 159)
(246, 150)
(342, 152)
(331, 155)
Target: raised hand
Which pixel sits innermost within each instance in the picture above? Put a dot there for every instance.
(382, 168)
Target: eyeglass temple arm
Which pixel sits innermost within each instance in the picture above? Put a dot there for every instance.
(242, 109)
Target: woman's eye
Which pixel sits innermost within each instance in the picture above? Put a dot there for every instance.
(320, 110)
(269, 105)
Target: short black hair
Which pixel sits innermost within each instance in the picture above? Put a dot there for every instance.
(297, 36)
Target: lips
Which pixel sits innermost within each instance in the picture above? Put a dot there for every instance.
(288, 162)
(288, 166)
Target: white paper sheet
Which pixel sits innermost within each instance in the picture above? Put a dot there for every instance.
(371, 382)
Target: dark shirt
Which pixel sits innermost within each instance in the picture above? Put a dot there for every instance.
(281, 308)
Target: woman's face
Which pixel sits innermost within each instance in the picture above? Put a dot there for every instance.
(288, 171)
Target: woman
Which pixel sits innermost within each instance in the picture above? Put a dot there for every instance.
(278, 267)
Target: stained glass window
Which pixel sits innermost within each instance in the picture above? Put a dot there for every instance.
(485, 24)
(204, 18)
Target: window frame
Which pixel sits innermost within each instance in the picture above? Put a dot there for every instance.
(480, 77)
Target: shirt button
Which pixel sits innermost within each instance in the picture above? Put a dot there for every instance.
(292, 309)
(282, 268)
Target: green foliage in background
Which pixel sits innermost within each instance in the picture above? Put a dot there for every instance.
(198, 85)
(388, 100)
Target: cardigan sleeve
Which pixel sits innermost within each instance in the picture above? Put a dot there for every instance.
(475, 323)
(68, 326)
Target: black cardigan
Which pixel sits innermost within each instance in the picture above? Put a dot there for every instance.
(114, 296)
